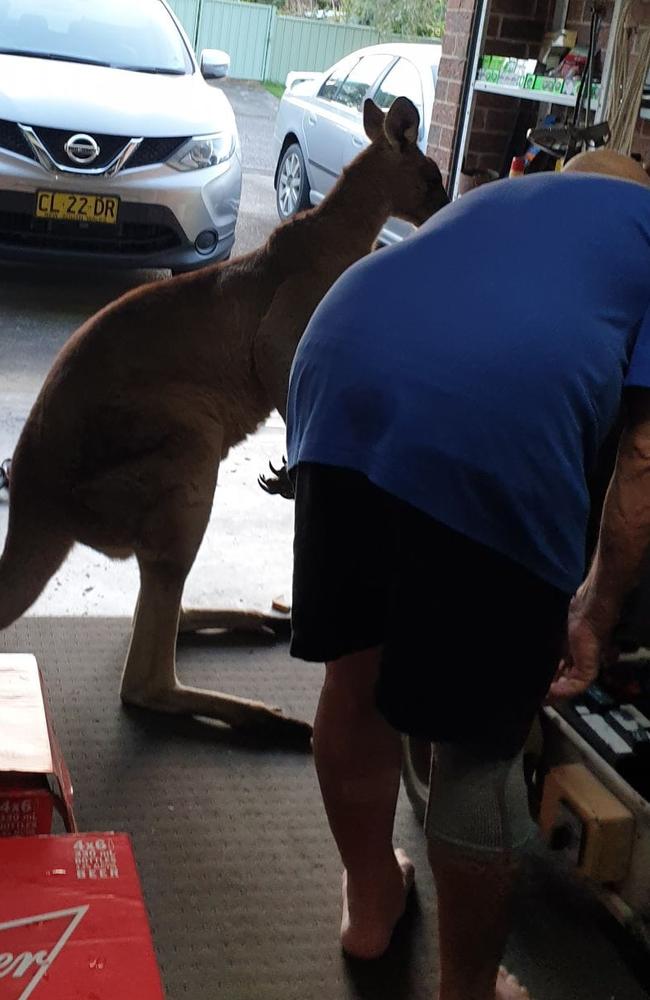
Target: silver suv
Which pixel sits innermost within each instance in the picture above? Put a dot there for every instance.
(113, 147)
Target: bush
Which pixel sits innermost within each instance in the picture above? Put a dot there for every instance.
(424, 18)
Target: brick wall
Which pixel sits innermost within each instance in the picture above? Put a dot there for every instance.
(579, 19)
(453, 62)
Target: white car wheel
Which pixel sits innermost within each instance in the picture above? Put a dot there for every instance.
(293, 185)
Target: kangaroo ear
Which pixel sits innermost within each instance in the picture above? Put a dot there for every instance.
(373, 120)
(402, 123)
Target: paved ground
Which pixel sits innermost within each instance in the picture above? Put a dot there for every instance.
(255, 109)
(245, 559)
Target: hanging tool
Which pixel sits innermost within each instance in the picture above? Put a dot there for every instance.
(565, 141)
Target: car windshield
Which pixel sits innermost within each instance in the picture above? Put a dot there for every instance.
(124, 34)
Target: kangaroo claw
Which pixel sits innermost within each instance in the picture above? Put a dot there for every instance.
(279, 483)
(5, 474)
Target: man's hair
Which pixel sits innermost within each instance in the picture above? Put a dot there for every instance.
(606, 161)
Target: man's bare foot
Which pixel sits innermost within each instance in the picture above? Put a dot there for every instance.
(509, 987)
(369, 918)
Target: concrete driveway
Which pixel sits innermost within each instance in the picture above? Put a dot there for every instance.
(255, 110)
(245, 559)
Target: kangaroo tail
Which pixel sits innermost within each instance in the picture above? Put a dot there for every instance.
(35, 547)
(32, 554)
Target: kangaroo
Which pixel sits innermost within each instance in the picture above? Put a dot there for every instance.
(122, 447)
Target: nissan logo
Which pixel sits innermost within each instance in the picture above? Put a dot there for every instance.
(81, 148)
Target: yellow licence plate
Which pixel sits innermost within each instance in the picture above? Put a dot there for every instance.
(76, 207)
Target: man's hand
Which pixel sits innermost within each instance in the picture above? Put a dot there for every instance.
(589, 632)
(623, 544)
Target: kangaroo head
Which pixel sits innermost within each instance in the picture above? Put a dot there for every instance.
(412, 181)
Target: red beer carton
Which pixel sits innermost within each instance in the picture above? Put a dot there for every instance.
(73, 925)
(34, 778)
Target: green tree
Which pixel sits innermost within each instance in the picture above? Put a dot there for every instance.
(300, 7)
(425, 18)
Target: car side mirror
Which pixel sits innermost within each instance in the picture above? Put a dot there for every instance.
(215, 64)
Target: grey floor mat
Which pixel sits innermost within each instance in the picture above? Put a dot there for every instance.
(240, 875)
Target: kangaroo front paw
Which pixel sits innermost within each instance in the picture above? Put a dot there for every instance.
(279, 483)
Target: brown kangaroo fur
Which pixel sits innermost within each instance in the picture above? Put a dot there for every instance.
(122, 447)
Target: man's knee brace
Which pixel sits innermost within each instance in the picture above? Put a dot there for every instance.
(478, 806)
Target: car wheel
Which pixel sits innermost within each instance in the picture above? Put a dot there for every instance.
(292, 193)
(416, 768)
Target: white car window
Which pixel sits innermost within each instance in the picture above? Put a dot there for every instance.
(360, 78)
(336, 77)
(403, 80)
(120, 33)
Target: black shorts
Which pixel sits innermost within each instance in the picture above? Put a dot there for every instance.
(471, 640)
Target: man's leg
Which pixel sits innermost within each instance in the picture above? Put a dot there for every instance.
(358, 760)
(473, 922)
(477, 822)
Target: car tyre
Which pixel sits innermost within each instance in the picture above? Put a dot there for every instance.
(292, 189)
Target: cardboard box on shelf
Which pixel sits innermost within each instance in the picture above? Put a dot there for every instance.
(506, 71)
(544, 83)
(34, 779)
(73, 921)
(555, 46)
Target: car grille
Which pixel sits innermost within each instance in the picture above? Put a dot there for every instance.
(149, 152)
(154, 151)
(54, 140)
(22, 229)
(12, 138)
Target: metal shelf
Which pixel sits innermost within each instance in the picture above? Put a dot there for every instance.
(542, 96)
(472, 85)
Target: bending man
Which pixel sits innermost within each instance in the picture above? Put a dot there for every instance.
(447, 403)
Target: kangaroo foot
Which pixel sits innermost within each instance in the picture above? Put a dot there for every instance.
(240, 713)
(204, 619)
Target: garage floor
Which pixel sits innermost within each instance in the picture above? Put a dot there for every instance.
(239, 872)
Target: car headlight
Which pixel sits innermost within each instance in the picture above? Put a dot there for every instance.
(203, 151)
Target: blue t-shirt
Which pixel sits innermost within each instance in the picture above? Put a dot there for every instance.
(475, 369)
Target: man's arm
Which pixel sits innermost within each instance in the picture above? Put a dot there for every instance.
(623, 544)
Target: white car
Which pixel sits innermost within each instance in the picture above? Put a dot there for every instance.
(113, 147)
(319, 125)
